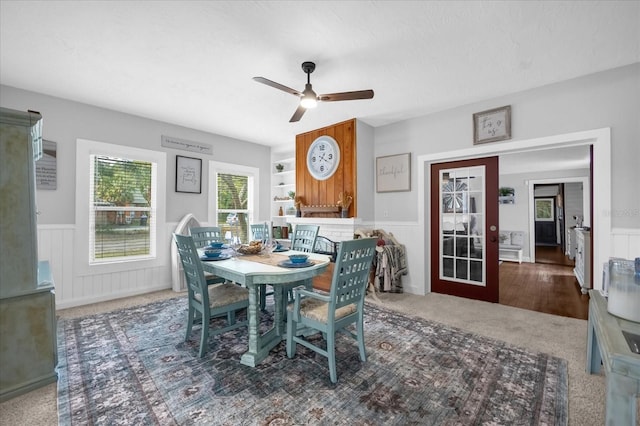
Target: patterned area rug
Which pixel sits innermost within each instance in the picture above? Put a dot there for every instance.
(133, 367)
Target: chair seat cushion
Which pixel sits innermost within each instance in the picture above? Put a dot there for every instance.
(225, 294)
(318, 310)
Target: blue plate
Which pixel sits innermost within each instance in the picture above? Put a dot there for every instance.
(221, 257)
(290, 264)
(222, 247)
(280, 250)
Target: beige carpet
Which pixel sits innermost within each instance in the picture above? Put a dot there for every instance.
(560, 336)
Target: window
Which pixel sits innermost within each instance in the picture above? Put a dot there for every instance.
(121, 208)
(233, 195)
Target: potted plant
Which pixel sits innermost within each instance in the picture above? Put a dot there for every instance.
(507, 195)
(292, 195)
(279, 167)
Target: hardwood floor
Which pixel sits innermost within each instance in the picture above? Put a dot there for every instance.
(543, 287)
(552, 255)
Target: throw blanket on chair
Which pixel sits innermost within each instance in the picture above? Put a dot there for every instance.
(391, 264)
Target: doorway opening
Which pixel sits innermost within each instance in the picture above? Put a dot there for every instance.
(598, 140)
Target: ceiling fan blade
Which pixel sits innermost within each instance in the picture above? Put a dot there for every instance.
(277, 85)
(346, 96)
(298, 114)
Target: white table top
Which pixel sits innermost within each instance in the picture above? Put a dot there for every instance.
(247, 268)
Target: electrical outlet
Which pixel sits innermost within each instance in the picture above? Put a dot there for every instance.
(385, 213)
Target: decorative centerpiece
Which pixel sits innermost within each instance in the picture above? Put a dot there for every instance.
(254, 247)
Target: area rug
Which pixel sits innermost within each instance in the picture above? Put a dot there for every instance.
(133, 367)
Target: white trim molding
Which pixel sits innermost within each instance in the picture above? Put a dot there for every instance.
(600, 139)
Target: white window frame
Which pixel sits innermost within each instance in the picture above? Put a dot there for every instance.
(216, 167)
(84, 150)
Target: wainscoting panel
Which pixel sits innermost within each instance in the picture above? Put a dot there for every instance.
(56, 244)
(407, 233)
(625, 243)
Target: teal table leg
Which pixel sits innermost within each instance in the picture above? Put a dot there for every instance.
(253, 316)
(621, 400)
(279, 310)
(594, 359)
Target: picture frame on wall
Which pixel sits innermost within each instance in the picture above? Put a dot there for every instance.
(393, 173)
(544, 210)
(492, 125)
(188, 174)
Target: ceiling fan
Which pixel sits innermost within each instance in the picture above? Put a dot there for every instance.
(309, 98)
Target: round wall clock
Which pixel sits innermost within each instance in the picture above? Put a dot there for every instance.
(323, 157)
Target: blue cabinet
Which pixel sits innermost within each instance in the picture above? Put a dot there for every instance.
(28, 351)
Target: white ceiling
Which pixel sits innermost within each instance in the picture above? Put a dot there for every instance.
(191, 63)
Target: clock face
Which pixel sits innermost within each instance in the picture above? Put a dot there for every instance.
(323, 157)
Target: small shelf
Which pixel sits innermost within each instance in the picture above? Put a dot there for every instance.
(283, 183)
(286, 185)
(285, 160)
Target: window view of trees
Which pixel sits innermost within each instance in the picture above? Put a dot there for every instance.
(233, 205)
(122, 207)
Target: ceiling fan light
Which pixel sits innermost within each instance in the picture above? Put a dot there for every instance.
(308, 101)
(309, 97)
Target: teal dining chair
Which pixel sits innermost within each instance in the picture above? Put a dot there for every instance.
(304, 240)
(202, 237)
(205, 235)
(259, 231)
(304, 237)
(313, 312)
(206, 302)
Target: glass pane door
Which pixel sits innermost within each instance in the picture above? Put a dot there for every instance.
(462, 217)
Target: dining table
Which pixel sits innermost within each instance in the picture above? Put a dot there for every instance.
(254, 270)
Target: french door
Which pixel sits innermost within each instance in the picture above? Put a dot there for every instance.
(464, 228)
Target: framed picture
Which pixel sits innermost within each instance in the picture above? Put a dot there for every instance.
(188, 174)
(544, 210)
(393, 173)
(492, 125)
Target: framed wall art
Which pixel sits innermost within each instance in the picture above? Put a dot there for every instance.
(393, 173)
(492, 125)
(46, 166)
(188, 174)
(544, 210)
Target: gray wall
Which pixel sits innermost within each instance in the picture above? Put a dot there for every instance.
(607, 99)
(65, 121)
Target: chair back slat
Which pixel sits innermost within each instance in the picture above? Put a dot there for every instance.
(205, 235)
(351, 272)
(194, 274)
(259, 231)
(304, 237)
